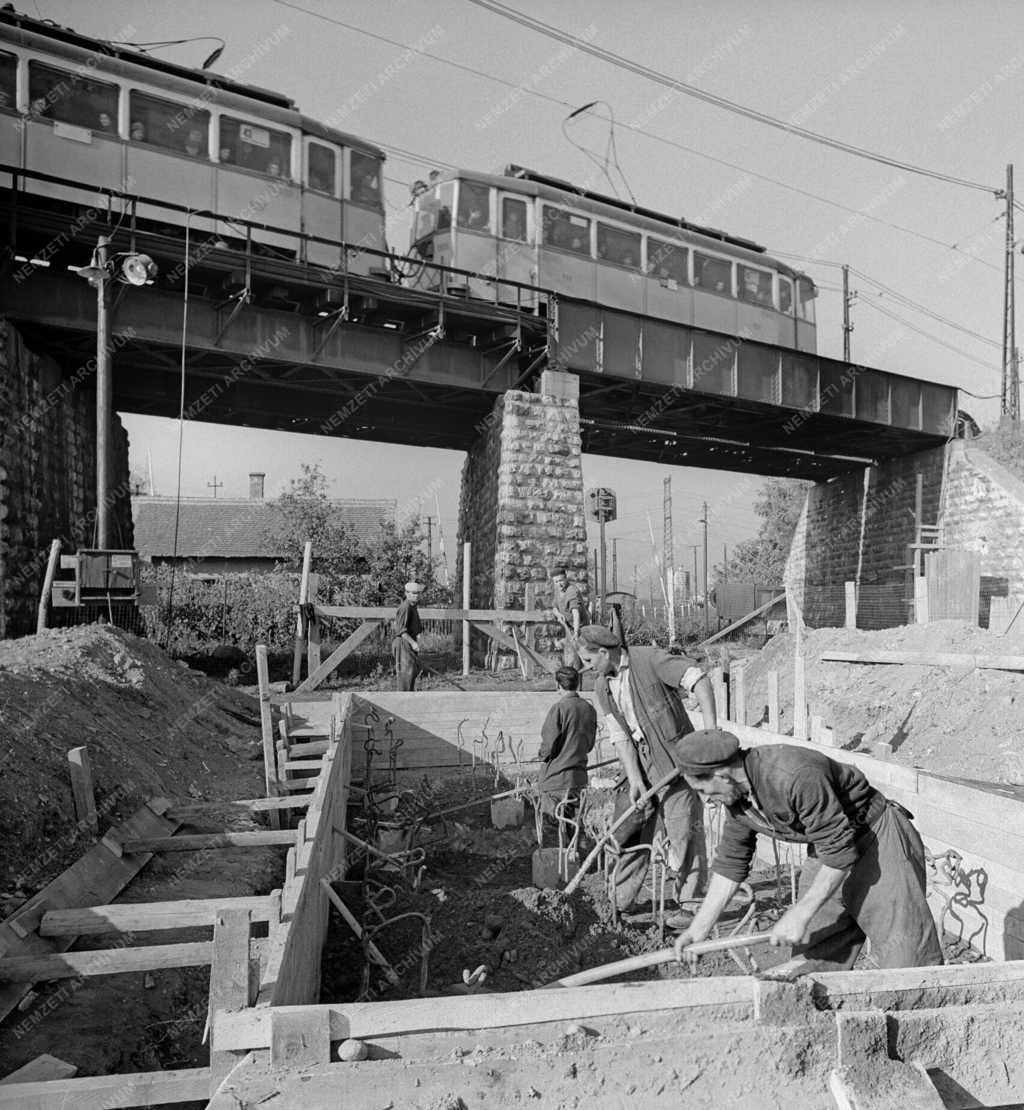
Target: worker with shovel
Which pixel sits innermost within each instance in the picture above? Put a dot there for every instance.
(569, 608)
(639, 693)
(406, 638)
(865, 875)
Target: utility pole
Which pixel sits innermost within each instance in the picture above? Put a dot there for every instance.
(668, 544)
(848, 299)
(104, 397)
(704, 521)
(214, 485)
(615, 566)
(1011, 382)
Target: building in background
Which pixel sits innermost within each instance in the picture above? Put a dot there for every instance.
(225, 535)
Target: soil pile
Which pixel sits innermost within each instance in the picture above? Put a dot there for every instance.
(957, 721)
(152, 727)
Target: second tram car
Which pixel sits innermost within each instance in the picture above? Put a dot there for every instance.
(108, 116)
(524, 227)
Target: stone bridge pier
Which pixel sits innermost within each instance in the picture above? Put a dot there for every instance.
(521, 503)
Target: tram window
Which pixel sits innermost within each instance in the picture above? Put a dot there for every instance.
(8, 81)
(474, 206)
(785, 295)
(755, 286)
(712, 273)
(620, 247)
(365, 179)
(668, 261)
(445, 198)
(805, 294)
(566, 230)
(513, 219)
(68, 97)
(321, 168)
(182, 128)
(252, 147)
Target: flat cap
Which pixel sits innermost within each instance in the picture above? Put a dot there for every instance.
(704, 751)
(413, 586)
(597, 636)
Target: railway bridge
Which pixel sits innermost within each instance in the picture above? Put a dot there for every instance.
(235, 332)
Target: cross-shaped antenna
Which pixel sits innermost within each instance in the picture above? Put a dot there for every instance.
(214, 485)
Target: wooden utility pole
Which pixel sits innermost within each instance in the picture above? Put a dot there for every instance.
(1011, 380)
(848, 299)
(704, 522)
(670, 563)
(615, 566)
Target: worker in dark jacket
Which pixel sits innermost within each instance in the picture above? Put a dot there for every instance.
(567, 738)
(406, 638)
(569, 608)
(639, 692)
(866, 874)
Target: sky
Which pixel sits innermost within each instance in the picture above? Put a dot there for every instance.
(936, 83)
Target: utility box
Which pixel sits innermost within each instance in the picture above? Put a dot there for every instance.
(97, 577)
(600, 504)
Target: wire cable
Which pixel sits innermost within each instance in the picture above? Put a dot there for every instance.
(659, 78)
(933, 338)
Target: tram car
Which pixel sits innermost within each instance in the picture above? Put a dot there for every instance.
(108, 116)
(528, 228)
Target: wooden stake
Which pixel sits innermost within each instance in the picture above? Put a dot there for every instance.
(799, 687)
(300, 616)
(738, 692)
(273, 787)
(375, 953)
(82, 789)
(230, 980)
(773, 700)
(44, 597)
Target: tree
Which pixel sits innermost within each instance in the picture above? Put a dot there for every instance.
(762, 560)
(306, 514)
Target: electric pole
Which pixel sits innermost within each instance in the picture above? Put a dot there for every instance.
(1010, 383)
(667, 543)
(104, 394)
(704, 521)
(848, 299)
(615, 566)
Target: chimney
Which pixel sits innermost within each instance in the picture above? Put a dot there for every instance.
(256, 487)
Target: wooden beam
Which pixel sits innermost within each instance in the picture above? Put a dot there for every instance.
(512, 644)
(929, 659)
(300, 614)
(299, 1038)
(272, 785)
(103, 961)
(209, 840)
(82, 789)
(109, 1092)
(744, 620)
(253, 805)
(141, 917)
(772, 679)
(373, 951)
(251, 1029)
(387, 613)
(314, 678)
(43, 1068)
(230, 980)
(44, 596)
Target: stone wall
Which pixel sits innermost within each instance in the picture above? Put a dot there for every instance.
(48, 474)
(856, 528)
(983, 510)
(522, 495)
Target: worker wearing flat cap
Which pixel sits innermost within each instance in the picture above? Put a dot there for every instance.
(406, 638)
(639, 693)
(865, 873)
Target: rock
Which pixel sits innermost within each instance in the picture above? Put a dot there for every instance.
(352, 1050)
(148, 982)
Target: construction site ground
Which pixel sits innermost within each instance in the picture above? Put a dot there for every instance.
(155, 728)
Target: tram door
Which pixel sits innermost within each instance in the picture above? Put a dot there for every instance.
(321, 206)
(516, 260)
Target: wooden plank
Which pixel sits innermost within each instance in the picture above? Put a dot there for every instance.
(140, 917)
(300, 1038)
(752, 615)
(799, 684)
(308, 749)
(313, 648)
(314, 678)
(387, 613)
(851, 604)
(300, 615)
(929, 659)
(772, 678)
(44, 596)
(373, 951)
(109, 1092)
(95, 878)
(738, 692)
(209, 840)
(272, 785)
(42, 1069)
(253, 805)
(230, 980)
(251, 1028)
(82, 789)
(513, 645)
(103, 961)
(313, 765)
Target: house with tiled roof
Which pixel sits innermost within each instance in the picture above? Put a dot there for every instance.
(221, 535)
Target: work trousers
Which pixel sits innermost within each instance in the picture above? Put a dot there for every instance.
(680, 813)
(882, 899)
(407, 666)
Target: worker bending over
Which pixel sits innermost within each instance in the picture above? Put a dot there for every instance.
(865, 875)
(639, 692)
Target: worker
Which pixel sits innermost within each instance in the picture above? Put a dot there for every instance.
(406, 641)
(865, 875)
(639, 692)
(569, 608)
(567, 738)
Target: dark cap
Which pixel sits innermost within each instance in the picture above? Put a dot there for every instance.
(704, 751)
(597, 636)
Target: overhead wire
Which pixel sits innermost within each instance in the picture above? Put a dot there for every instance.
(934, 338)
(426, 161)
(628, 64)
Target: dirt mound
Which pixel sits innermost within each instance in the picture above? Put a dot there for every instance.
(957, 721)
(151, 727)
